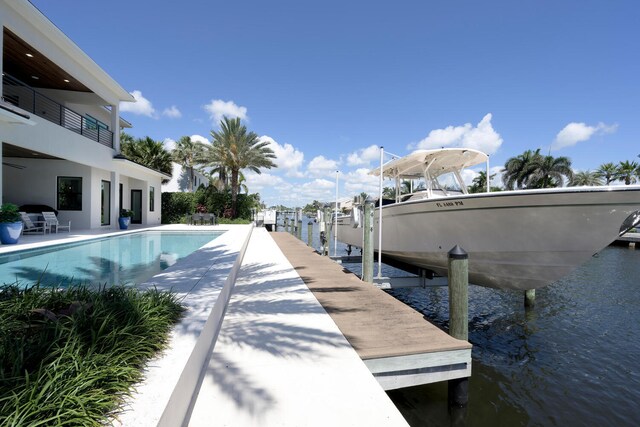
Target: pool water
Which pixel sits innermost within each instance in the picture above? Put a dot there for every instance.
(127, 259)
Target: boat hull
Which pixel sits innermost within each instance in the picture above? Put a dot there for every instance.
(515, 239)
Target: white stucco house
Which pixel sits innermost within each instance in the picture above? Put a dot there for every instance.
(179, 181)
(60, 128)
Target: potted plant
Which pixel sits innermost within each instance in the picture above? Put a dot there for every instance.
(125, 218)
(10, 224)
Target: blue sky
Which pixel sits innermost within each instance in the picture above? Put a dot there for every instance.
(328, 80)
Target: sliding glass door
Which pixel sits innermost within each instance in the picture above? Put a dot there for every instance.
(105, 207)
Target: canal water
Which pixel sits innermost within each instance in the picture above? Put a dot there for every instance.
(573, 360)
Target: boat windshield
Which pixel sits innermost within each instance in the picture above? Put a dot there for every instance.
(449, 183)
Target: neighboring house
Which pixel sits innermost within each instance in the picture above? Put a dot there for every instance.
(343, 203)
(60, 128)
(180, 180)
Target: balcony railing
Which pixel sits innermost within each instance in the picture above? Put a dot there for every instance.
(23, 96)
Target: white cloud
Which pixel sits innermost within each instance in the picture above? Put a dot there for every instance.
(359, 180)
(363, 156)
(287, 157)
(481, 137)
(172, 112)
(142, 106)
(318, 189)
(256, 182)
(169, 144)
(200, 138)
(574, 132)
(218, 108)
(320, 166)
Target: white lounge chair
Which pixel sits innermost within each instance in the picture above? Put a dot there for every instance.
(32, 227)
(52, 221)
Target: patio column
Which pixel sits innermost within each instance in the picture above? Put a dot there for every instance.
(115, 126)
(115, 199)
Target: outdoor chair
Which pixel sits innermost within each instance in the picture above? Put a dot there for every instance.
(195, 218)
(208, 217)
(32, 227)
(51, 221)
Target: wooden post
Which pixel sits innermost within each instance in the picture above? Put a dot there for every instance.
(286, 224)
(310, 234)
(458, 271)
(327, 230)
(529, 298)
(367, 251)
(299, 229)
(293, 224)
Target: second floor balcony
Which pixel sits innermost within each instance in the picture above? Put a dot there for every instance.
(25, 97)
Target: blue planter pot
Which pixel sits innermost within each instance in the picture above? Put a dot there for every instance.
(124, 222)
(10, 232)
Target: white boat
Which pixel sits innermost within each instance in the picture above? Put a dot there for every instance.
(523, 239)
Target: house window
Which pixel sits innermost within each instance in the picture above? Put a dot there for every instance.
(152, 199)
(93, 123)
(69, 193)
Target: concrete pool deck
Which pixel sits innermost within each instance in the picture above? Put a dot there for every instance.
(279, 358)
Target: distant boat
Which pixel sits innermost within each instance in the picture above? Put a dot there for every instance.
(523, 239)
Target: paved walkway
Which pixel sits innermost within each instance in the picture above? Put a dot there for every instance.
(281, 360)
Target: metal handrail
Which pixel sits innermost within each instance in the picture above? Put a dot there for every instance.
(24, 96)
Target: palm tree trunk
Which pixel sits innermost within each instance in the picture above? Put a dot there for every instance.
(234, 192)
(190, 179)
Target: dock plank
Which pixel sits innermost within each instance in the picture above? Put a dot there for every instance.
(375, 324)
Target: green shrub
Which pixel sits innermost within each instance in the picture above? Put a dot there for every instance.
(175, 206)
(68, 357)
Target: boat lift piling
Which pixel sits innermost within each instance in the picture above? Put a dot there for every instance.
(458, 266)
(367, 253)
(529, 298)
(325, 230)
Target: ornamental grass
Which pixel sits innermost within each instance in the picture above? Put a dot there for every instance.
(70, 356)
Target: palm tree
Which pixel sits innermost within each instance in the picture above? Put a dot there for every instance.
(186, 153)
(627, 172)
(149, 153)
(587, 178)
(608, 171)
(209, 157)
(515, 173)
(125, 138)
(548, 171)
(389, 193)
(479, 183)
(235, 148)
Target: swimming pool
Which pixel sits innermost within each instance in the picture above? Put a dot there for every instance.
(130, 258)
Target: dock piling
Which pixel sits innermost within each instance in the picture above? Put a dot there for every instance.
(327, 230)
(367, 252)
(458, 316)
(310, 233)
(529, 298)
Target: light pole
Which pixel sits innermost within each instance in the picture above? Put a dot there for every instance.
(335, 223)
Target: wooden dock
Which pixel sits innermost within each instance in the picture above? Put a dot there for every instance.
(398, 345)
